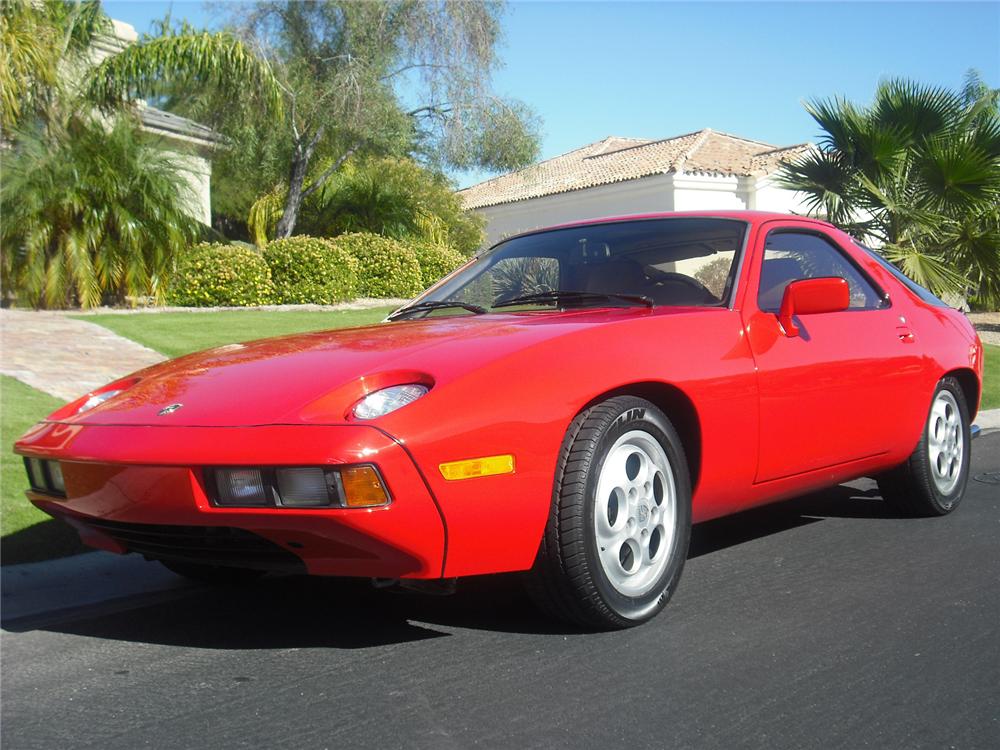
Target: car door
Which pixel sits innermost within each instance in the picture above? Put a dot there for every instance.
(832, 394)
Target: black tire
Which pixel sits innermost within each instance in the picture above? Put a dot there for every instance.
(217, 575)
(568, 580)
(915, 488)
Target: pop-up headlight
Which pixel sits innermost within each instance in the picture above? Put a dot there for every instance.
(96, 400)
(387, 400)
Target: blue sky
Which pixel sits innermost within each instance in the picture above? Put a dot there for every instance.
(658, 69)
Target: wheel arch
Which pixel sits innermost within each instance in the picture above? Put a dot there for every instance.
(970, 387)
(677, 405)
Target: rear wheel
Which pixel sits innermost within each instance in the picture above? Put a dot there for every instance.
(218, 575)
(620, 521)
(932, 481)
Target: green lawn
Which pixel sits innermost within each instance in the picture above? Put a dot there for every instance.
(174, 334)
(991, 377)
(28, 534)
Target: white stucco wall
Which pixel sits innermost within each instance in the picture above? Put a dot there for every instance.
(767, 196)
(197, 173)
(707, 192)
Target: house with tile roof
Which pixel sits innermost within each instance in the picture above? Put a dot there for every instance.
(617, 176)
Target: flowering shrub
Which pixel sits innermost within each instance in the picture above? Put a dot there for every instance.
(386, 267)
(307, 269)
(436, 261)
(210, 275)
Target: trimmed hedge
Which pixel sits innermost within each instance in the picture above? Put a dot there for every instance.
(436, 261)
(212, 274)
(311, 270)
(387, 268)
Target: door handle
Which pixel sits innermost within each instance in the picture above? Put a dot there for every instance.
(905, 334)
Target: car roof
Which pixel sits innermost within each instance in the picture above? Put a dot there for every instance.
(752, 217)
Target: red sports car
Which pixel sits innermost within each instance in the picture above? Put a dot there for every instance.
(567, 403)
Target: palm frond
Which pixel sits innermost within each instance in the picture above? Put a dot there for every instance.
(219, 60)
(928, 269)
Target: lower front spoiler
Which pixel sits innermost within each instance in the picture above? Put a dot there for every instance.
(200, 545)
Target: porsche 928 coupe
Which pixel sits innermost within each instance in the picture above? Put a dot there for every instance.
(568, 403)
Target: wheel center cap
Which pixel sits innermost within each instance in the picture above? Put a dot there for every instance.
(643, 514)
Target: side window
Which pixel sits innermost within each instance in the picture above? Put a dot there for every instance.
(789, 256)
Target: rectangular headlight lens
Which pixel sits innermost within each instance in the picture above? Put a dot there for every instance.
(241, 487)
(306, 487)
(56, 477)
(36, 474)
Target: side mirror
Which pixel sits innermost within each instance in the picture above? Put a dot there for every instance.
(810, 297)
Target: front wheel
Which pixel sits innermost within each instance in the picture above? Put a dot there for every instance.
(620, 521)
(932, 481)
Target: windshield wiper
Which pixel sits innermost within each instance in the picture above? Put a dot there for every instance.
(559, 295)
(436, 304)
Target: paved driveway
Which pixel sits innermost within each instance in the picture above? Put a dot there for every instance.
(65, 357)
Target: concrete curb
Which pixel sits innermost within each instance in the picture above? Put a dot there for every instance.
(988, 420)
(33, 589)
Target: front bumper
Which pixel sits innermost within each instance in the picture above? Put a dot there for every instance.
(141, 489)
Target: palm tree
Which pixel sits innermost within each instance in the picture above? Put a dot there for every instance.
(917, 172)
(92, 208)
(94, 216)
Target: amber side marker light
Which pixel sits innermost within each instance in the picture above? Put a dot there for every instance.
(478, 467)
(362, 487)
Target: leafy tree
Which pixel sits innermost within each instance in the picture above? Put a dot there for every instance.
(387, 77)
(918, 173)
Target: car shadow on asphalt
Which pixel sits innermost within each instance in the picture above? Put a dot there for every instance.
(305, 612)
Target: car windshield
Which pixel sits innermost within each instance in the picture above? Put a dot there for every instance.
(641, 262)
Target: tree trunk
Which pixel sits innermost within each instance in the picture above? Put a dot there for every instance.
(296, 181)
(293, 201)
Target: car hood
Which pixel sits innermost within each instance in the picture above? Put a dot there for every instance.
(317, 377)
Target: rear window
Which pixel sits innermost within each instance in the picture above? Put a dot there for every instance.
(924, 294)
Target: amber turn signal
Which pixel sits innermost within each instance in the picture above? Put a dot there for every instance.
(362, 487)
(478, 467)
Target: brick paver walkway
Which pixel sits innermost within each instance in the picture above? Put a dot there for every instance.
(63, 356)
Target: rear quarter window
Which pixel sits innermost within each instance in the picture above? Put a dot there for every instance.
(924, 294)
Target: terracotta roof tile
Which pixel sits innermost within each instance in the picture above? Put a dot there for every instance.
(615, 159)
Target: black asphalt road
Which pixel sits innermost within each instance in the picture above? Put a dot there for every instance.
(819, 623)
